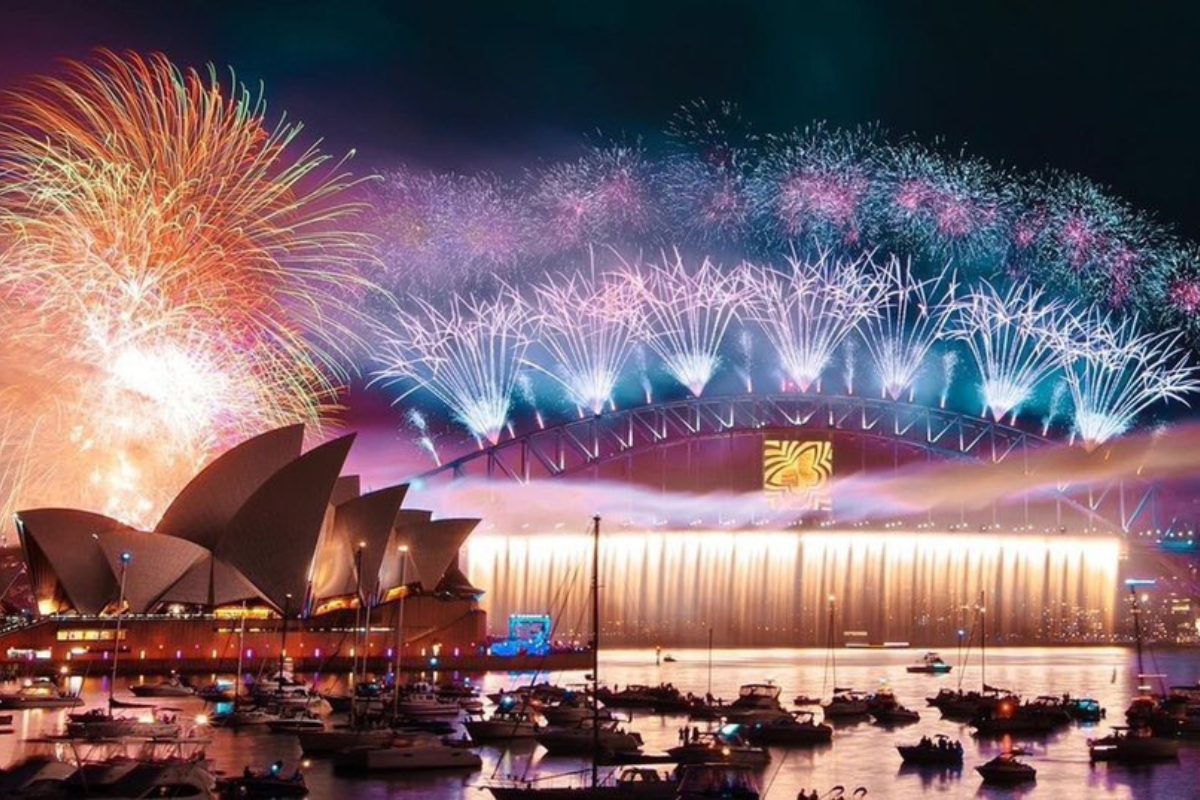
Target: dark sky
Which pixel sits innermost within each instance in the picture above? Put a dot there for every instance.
(1102, 89)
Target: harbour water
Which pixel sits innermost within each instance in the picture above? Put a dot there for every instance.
(860, 755)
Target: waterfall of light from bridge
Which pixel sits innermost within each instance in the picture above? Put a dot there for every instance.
(772, 588)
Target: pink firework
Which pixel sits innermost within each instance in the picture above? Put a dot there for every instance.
(604, 197)
(1185, 295)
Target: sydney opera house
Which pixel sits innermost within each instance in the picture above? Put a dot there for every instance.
(267, 532)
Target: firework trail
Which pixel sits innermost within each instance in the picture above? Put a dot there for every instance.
(1057, 407)
(849, 364)
(643, 371)
(1010, 336)
(910, 320)
(949, 370)
(685, 314)
(586, 324)
(809, 309)
(745, 357)
(1115, 372)
(176, 278)
(467, 356)
(418, 423)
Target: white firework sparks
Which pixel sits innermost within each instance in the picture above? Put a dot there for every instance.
(911, 319)
(685, 314)
(1010, 337)
(467, 356)
(586, 323)
(807, 310)
(1115, 372)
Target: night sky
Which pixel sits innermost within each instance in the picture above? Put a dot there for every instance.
(1105, 90)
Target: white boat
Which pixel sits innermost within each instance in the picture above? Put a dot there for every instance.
(407, 753)
(756, 703)
(174, 686)
(423, 700)
(931, 664)
(40, 693)
(102, 725)
(1005, 769)
(294, 721)
(502, 726)
(572, 710)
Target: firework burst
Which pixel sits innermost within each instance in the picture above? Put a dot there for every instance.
(604, 197)
(586, 324)
(175, 274)
(1115, 372)
(1010, 336)
(910, 321)
(807, 310)
(467, 356)
(685, 314)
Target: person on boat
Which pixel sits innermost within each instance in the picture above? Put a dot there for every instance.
(247, 773)
(276, 768)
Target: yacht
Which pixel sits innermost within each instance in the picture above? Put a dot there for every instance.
(583, 738)
(799, 728)
(931, 664)
(407, 753)
(174, 686)
(725, 746)
(325, 741)
(756, 702)
(1005, 769)
(571, 710)
(295, 720)
(847, 704)
(502, 726)
(1132, 745)
(40, 693)
(99, 724)
(423, 700)
(724, 781)
(631, 783)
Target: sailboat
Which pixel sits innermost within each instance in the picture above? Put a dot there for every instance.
(631, 782)
(845, 704)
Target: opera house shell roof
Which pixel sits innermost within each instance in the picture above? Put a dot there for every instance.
(263, 523)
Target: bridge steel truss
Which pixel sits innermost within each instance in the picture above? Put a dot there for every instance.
(585, 445)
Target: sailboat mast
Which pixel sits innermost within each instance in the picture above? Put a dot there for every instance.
(595, 648)
(112, 684)
(983, 637)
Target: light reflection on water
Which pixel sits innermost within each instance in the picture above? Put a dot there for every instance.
(862, 754)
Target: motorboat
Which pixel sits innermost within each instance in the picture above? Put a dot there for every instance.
(964, 706)
(173, 686)
(282, 689)
(1133, 745)
(242, 717)
(725, 746)
(264, 785)
(630, 783)
(717, 780)
(1084, 709)
(799, 728)
(805, 700)
(756, 702)
(931, 664)
(638, 696)
(40, 693)
(325, 741)
(1006, 769)
(118, 778)
(219, 691)
(583, 738)
(846, 704)
(502, 726)
(406, 753)
(99, 724)
(293, 720)
(939, 751)
(895, 715)
(423, 700)
(1031, 718)
(573, 708)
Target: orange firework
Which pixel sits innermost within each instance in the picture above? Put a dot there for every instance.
(173, 275)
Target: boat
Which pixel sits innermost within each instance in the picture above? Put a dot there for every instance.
(268, 784)
(1006, 769)
(502, 726)
(104, 768)
(1133, 746)
(570, 710)
(100, 724)
(931, 664)
(805, 700)
(326, 741)
(589, 735)
(292, 720)
(1084, 709)
(40, 693)
(797, 729)
(421, 699)
(939, 751)
(723, 781)
(1031, 718)
(724, 746)
(174, 686)
(406, 753)
(756, 702)
(895, 715)
(640, 696)
(630, 783)
(219, 691)
(847, 704)
(241, 716)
